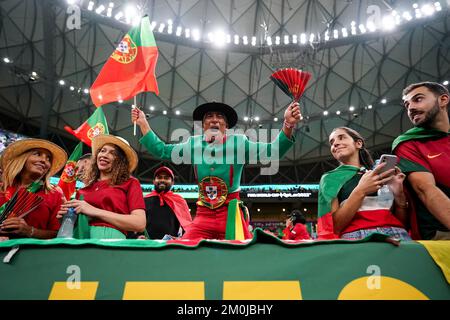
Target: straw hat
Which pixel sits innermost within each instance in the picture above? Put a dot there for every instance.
(15, 149)
(100, 140)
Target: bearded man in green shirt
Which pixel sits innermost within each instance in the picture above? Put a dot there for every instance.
(218, 156)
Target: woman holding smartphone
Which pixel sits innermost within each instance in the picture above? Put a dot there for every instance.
(350, 206)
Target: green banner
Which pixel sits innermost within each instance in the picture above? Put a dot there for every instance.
(264, 269)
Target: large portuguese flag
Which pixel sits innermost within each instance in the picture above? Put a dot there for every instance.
(95, 125)
(68, 179)
(130, 69)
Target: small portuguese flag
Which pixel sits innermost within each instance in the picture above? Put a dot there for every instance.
(95, 125)
(68, 179)
(130, 69)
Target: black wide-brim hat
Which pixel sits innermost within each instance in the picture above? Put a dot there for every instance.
(228, 111)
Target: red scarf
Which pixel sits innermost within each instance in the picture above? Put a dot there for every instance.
(177, 204)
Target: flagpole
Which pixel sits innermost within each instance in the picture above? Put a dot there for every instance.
(134, 106)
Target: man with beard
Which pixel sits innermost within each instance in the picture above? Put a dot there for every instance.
(83, 165)
(424, 153)
(167, 213)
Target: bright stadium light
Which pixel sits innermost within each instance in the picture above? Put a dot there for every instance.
(325, 113)
(177, 112)
(445, 83)
(362, 28)
(344, 32)
(286, 39)
(62, 82)
(119, 15)
(383, 101)
(352, 108)
(86, 90)
(6, 60)
(130, 13)
(179, 31)
(371, 26)
(91, 5)
(311, 37)
(187, 33)
(253, 41)
(335, 34)
(407, 16)
(427, 10)
(152, 108)
(294, 39)
(72, 88)
(256, 118)
(245, 40)
(161, 27)
(164, 112)
(369, 106)
(327, 36)
(277, 40)
(196, 34)
(388, 22)
(109, 11)
(245, 118)
(236, 39)
(303, 38)
(219, 38)
(100, 9)
(338, 112)
(275, 119)
(353, 27)
(437, 5)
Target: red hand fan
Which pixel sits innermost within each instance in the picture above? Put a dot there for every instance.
(292, 81)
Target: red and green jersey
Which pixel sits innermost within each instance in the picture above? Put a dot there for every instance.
(424, 150)
(130, 69)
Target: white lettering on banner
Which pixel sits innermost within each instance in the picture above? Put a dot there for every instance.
(73, 17)
(280, 194)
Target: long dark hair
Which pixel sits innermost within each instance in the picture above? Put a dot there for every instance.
(364, 155)
(120, 172)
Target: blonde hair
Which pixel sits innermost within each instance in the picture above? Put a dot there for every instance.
(13, 169)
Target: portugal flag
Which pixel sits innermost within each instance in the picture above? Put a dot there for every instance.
(130, 69)
(330, 185)
(95, 125)
(68, 179)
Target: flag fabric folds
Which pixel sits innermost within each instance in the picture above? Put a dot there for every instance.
(95, 125)
(130, 69)
(68, 179)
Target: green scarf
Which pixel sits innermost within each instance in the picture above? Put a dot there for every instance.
(417, 133)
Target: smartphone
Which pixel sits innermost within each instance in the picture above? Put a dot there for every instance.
(390, 160)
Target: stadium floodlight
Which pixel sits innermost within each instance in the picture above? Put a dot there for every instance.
(362, 28)
(164, 112)
(325, 113)
(91, 5)
(269, 41)
(236, 39)
(109, 10)
(152, 108)
(327, 36)
(277, 40)
(437, 6)
(353, 27)
(344, 32)
(311, 37)
(303, 38)
(427, 10)
(338, 112)
(61, 82)
(418, 13)
(286, 39)
(253, 41)
(120, 101)
(177, 112)
(388, 22)
(219, 38)
(371, 26)
(169, 29)
(70, 2)
(352, 108)
(228, 38)
(407, 16)
(161, 27)
(335, 34)
(245, 40)
(72, 88)
(275, 119)
(130, 13)
(86, 90)
(196, 34)
(383, 101)
(187, 33)
(245, 118)
(294, 39)
(100, 9)
(445, 83)
(179, 31)
(369, 106)
(256, 118)
(119, 15)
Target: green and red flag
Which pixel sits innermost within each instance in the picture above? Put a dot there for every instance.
(130, 69)
(95, 125)
(330, 185)
(67, 181)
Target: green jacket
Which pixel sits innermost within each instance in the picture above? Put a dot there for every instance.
(225, 160)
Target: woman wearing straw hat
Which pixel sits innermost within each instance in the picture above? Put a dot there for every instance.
(25, 162)
(113, 199)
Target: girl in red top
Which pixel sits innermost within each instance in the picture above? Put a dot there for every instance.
(357, 211)
(24, 162)
(112, 199)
